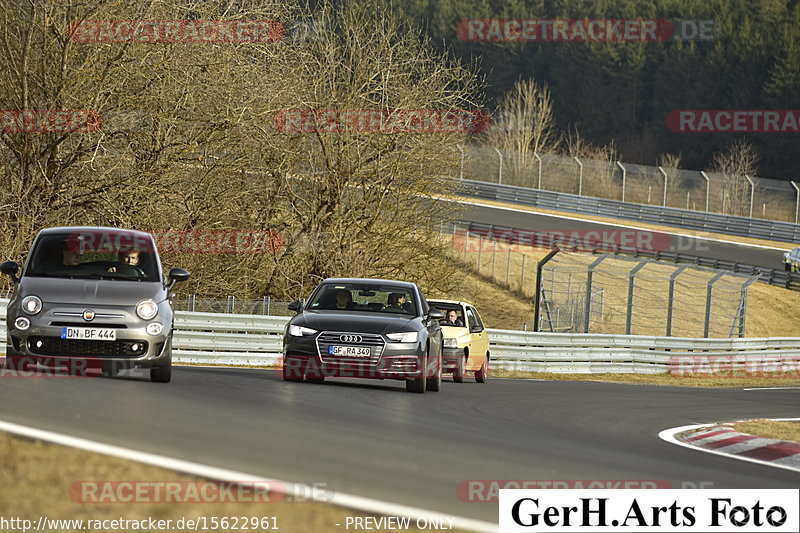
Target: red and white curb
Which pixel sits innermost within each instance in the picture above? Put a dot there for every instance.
(721, 439)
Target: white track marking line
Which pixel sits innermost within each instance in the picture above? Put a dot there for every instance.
(616, 224)
(669, 435)
(773, 388)
(350, 501)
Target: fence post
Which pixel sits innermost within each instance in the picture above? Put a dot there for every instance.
(539, 159)
(671, 297)
(461, 168)
(191, 302)
(494, 256)
(666, 178)
(265, 304)
(508, 269)
(631, 283)
(624, 174)
(752, 193)
(580, 176)
(708, 187)
(588, 305)
(500, 172)
(537, 296)
(480, 248)
(709, 291)
(466, 243)
(743, 305)
(797, 201)
(522, 280)
(230, 304)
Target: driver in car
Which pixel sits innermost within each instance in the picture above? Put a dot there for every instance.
(130, 258)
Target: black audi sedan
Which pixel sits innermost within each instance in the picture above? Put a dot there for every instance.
(365, 328)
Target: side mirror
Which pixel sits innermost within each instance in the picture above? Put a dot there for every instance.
(295, 306)
(435, 314)
(10, 268)
(176, 275)
(475, 329)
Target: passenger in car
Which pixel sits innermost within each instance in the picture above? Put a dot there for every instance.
(344, 300)
(452, 320)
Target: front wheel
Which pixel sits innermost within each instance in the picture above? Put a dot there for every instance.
(417, 384)
(161, 373)
(293, 369)
(434, 382)
(458, 372)
(483, 373)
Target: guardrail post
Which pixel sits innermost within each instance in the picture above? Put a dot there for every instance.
(666, 178)
(708, 187)
(588, 305)
(537, 296)
(631, 282)
(671, 297)
(500, 172)
(461, 169)
(624, 174)
(230, 304)
(797, 201)
(709, 291)
(539, 159)
(580, 176)
(752, 193)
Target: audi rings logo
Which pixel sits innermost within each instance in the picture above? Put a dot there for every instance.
(88, 315)
(351, 338)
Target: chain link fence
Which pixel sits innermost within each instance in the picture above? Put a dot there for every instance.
(231, 304)
(669, 187)
(584, 293)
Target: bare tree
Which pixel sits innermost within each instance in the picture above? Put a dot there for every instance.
(525, 125)
(733, 165)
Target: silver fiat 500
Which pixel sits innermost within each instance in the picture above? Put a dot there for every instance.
(92, 296)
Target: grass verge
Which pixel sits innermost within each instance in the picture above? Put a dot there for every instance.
(770, 429)
(37, 477)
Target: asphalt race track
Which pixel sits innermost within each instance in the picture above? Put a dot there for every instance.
(766, 257)
(371, 438)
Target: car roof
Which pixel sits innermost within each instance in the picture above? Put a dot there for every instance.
(61, 229)
(431, 300)
(407, 284)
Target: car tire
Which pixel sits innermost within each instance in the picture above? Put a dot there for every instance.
(483, 372)
(161, 373)
(417, 384)
(434, 383)
(293, 370)
(458, 371)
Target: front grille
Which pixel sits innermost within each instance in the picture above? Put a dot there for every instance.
(373, 341)
(58, 347)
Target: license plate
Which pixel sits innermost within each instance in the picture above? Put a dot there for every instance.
(93, 334)
(349, 351)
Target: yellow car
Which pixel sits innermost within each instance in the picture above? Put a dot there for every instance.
(466, 343)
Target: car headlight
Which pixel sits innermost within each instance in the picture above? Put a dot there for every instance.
(154, 328)
(451, 343)
(146, 309)
(22, 323)
(31, 304)
(409, 336)
(300, 331)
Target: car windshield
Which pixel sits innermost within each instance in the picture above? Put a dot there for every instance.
(451, 311)
(96, 254)
(363, 298)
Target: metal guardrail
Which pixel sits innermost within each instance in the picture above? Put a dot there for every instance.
(256, 340)
(667, 216)
(780, 278)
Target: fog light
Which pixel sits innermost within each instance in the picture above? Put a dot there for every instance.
(39, 344)
(135, 347)
(154, 328)
(22, 323)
